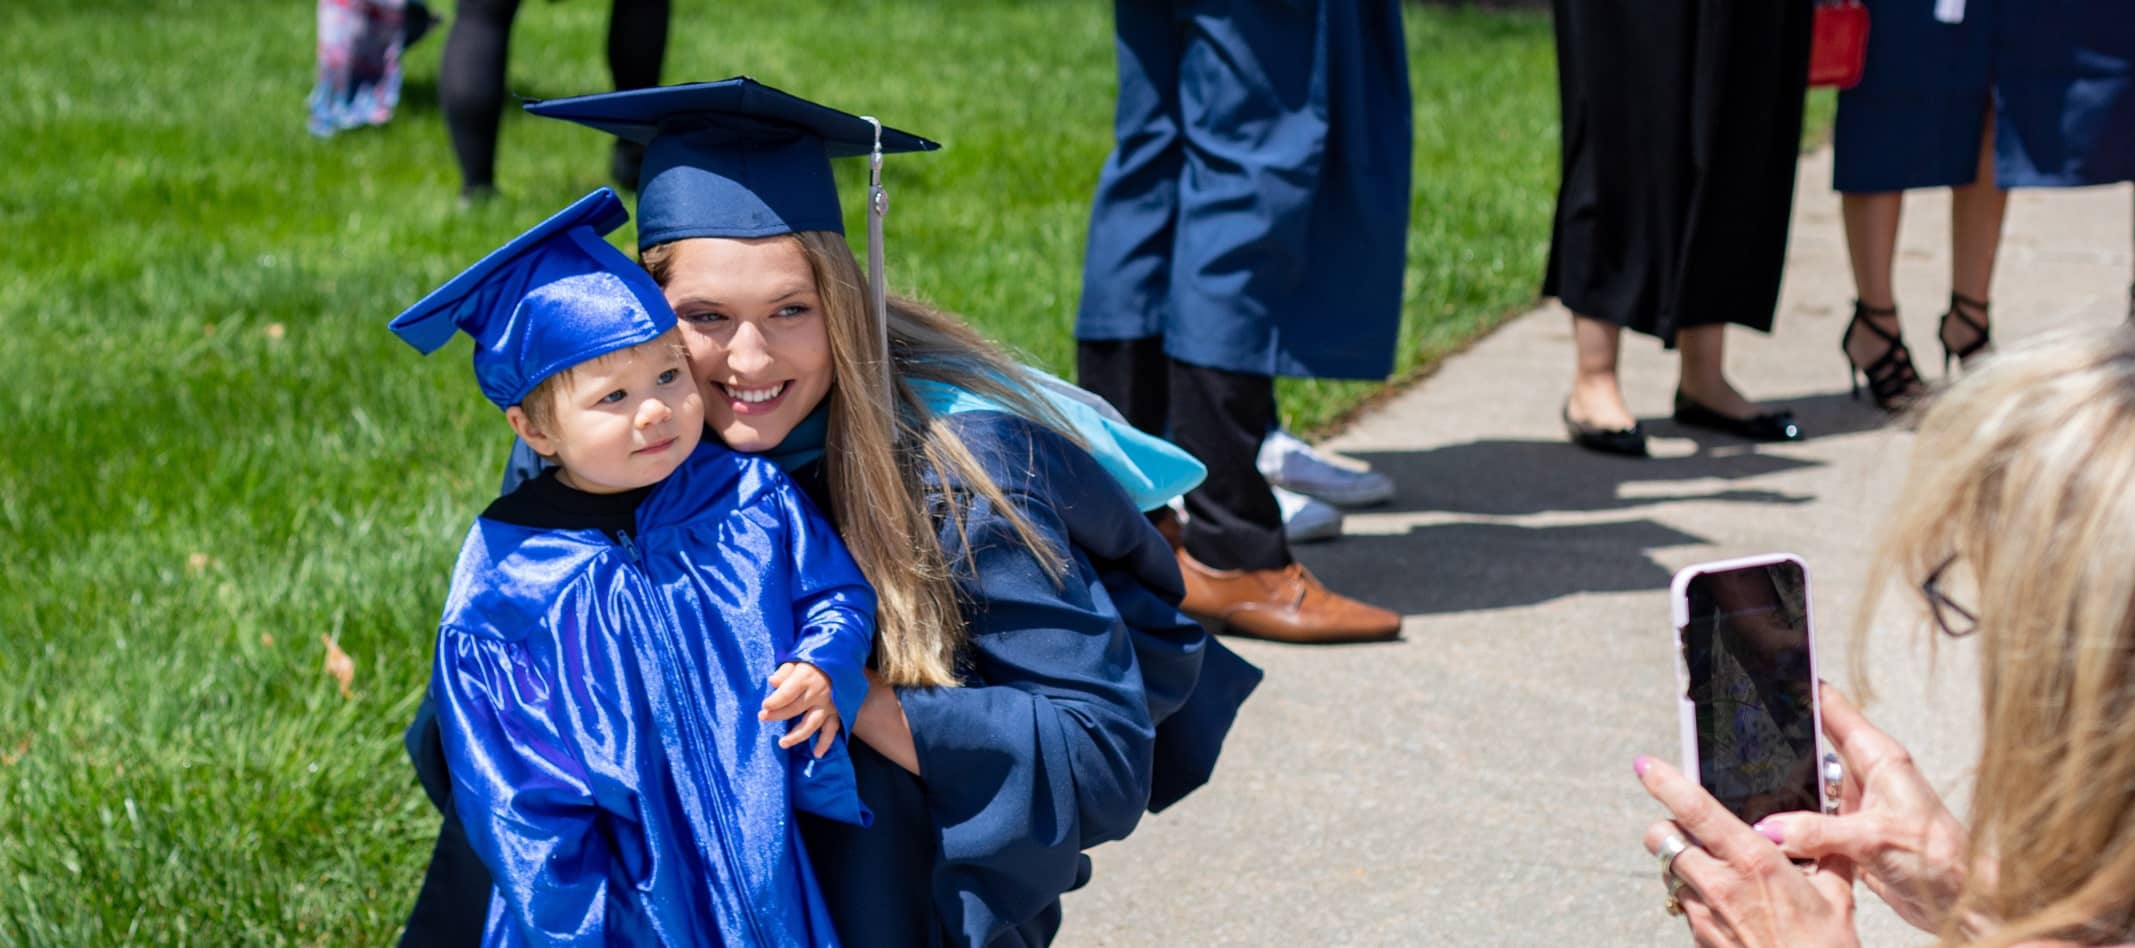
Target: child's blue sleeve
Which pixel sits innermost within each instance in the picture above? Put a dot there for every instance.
(834, 623)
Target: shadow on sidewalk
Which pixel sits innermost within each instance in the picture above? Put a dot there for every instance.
(1444, 568)
(1509, 478)
(1462, 567)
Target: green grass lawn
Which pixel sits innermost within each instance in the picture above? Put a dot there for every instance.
(217, 458)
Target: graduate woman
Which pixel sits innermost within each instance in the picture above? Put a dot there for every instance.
(1039, 688)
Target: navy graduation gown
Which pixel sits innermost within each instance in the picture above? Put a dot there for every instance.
(1254, 212)
(1084, 703)
(596, 698)
(2064, 93)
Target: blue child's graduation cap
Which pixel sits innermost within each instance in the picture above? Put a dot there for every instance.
(733, 158)
(554, 297)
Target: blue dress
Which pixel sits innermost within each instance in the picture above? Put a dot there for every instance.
(2055, 75)
(596, 696)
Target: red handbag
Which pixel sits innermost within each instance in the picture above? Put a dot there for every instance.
(1838, 44)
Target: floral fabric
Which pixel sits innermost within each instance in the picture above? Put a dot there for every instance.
(359, 64)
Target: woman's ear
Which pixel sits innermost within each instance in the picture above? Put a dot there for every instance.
(535, 438)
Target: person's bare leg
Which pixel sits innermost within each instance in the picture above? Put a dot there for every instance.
(1597, 399)
(1703, 350)
(1872, 247)
(1976, 212)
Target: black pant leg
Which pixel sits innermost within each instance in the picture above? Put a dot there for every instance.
(454, 902)
(1219, 417)
(637, 42)
(470, 85)
(1132, 374)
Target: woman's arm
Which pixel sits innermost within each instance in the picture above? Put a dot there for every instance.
(882, 725)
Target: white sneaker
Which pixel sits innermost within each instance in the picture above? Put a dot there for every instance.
(1306, 519)
(1291, 464)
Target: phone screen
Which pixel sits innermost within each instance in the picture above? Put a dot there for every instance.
(1747, 650)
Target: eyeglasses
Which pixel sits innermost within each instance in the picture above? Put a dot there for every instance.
(1956, 621)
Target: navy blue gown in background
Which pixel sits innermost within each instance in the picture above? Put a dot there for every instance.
(1255, 211)
(2066, 106)
(2056, 76)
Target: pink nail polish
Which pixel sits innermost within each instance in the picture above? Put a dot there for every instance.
(1641, 764)
(1772, 830)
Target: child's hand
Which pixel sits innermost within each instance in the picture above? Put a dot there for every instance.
(802, 690)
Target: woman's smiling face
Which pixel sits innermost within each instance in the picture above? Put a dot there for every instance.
(758, 341)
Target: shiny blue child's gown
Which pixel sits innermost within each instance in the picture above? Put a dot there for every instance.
(597, 695)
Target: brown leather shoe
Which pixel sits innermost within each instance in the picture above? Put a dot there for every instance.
(1282, 605)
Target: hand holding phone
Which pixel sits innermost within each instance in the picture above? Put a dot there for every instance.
(1746, 679)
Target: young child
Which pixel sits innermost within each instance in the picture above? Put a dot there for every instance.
(601, 661)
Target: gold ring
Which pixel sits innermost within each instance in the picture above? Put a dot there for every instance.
(1675, 885)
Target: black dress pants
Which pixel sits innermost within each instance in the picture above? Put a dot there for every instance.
(1219, 417)
(470, 81)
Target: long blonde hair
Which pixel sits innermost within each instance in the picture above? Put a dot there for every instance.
(2024, 472)
(882, 454)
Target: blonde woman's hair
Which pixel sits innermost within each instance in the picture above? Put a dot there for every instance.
(882, 453)
(2024, 472)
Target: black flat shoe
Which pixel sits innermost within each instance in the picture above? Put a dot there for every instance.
(1628, 442)
(1771, 426)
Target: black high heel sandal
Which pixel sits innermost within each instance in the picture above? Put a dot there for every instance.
(1942, 330)
(1892, 380)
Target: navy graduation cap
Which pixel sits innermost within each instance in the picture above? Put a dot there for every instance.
(733, 158)
(553, 297)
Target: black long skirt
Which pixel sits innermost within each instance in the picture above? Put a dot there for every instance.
(1681, 122)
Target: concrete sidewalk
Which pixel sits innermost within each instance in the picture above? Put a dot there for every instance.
(1471, 785)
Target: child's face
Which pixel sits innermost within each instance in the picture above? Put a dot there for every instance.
(757, 336)
(624, 420)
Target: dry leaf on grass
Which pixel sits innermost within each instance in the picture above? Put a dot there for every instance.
(338, 664)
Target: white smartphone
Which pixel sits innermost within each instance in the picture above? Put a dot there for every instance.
(1745, 670)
